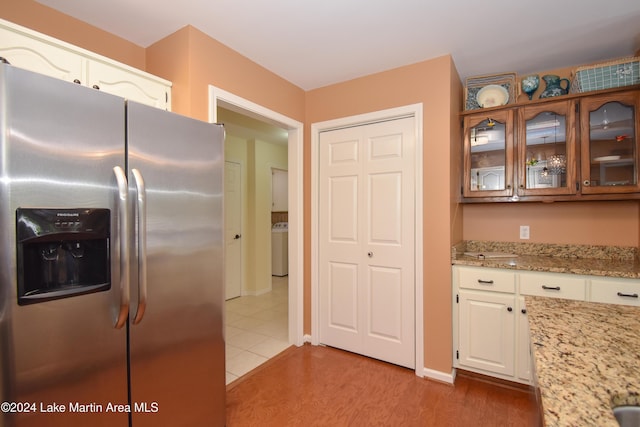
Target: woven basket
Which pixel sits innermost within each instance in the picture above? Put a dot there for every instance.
(617, 73)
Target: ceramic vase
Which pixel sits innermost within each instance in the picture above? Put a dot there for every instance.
(530, 85)
(554, 86)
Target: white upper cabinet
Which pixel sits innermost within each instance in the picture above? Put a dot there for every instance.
(279, 190)
(33, 51)
(40, 55)
(136, 86)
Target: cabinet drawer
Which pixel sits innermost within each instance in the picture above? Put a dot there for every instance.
(486, 279)
(553, 285)
(616, 291)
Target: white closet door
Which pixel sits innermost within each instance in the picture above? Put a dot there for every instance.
(367, 291)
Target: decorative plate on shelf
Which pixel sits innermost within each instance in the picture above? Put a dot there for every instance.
(473, 85)
(492, 96)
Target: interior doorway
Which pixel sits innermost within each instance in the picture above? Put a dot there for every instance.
(225, 108)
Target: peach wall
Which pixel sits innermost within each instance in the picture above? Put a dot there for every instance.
(436, 85)
(169, 58)
(602, 223)
(35, 16)
(204, 61)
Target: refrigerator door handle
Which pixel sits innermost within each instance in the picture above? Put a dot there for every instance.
(141, 207)
(123, 231)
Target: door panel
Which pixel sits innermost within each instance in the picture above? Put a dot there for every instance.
(233, 230)
(367, 222)
(343, 206)
(343, 288)
(177, 360)
(385, 300)
(385, 208)
(59, 144)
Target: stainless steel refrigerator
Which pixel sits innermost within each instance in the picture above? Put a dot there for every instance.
(111, 292)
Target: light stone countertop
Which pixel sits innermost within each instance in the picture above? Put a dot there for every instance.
(610, 261)
(587, 359)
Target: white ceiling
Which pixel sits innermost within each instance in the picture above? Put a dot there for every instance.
(317, 43)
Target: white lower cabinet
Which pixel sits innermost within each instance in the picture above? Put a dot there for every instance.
(487, 331)
(491, 330)
(523, 344)
(490, 317)
(615, 291)
(554, 285)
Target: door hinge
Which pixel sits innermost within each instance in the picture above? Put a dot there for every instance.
(577, 186)
(462, 124)
(457, 298)
(457, 355)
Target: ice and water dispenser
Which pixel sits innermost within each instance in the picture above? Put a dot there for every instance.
(61, 253)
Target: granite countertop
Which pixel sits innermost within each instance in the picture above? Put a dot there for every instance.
(586, 359)
(612, 261)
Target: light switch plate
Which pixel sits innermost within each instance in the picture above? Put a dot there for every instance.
(524, 232)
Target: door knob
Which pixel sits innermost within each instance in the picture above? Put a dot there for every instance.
(370, 254)
(237, 236)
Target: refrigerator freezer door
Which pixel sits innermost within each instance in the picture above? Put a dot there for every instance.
(59, 143)
(177, 348)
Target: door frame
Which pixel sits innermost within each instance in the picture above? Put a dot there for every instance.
(222, 98)
(415, 111)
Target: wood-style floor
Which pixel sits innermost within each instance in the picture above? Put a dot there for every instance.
(322, 386)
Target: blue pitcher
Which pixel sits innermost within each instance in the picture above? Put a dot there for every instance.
(554, 87)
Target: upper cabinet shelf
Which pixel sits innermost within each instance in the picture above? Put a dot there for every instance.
(572, 147)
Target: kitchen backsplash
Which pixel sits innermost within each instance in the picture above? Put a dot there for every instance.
(548, 249)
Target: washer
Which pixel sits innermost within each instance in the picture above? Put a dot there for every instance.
(280, 249)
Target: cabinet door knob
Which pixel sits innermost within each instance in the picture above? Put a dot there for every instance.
(76, 81)
(236, 237)
(586, 182)
(96, 87)
(524, 311)
(370, 254)
(509, 309)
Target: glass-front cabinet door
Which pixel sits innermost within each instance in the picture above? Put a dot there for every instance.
(488, 154)
(609, 132)
(546, 155)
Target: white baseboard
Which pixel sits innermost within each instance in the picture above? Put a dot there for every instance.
(306, 338)
(440, 376)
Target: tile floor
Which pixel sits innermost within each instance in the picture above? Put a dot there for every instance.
(256, 328)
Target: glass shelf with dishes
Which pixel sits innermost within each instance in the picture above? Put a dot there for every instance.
(609, 129)
(568, 148)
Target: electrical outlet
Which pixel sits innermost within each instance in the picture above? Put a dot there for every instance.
(524, 232)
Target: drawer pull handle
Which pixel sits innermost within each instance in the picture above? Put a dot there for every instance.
(550, 288)
(485, 282)
(620, 294)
